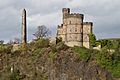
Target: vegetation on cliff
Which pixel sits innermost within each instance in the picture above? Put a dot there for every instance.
(43, 61)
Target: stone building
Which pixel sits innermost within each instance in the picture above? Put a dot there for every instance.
(73, 31)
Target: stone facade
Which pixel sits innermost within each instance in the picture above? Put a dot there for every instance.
(73, 31)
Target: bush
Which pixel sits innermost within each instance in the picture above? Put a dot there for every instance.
(36, 54)
(40, 43)
(5, 49)
(16, 75)
(82, 52)
(52, 55)
(109, 62)
(2, 48)
(53, 47)
(61, 46)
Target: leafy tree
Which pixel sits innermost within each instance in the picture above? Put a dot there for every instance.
(92, 39)
(109, 44)
(42, 32)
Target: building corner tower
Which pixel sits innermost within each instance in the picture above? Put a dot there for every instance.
(24, 27)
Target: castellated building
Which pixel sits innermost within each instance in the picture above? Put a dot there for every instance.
(73, 31)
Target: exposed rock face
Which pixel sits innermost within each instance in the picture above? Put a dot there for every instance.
(61, 65)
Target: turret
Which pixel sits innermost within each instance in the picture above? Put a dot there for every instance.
(65, 12)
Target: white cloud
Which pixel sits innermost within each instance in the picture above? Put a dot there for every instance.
(48, 20)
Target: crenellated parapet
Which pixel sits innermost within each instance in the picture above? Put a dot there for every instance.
(88, 23)
(74, 15)
(74, 31)
(60, 26)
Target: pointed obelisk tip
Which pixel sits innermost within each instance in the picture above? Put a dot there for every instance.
(24, 10)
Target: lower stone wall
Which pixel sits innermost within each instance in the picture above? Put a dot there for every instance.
(86, 44)
(73, 43)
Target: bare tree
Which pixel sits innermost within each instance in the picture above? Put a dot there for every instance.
(10, 42)
(16, 40)
(42, 32)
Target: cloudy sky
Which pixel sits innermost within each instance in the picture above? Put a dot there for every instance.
(105, 14)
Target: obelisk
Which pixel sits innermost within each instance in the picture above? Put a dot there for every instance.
(24, 28)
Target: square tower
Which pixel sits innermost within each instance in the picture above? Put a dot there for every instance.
(73, 31)
(87, 29)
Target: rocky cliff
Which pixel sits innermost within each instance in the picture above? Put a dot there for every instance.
(56, 62)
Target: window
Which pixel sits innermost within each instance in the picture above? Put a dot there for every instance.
(70, 37)
(75, 37)
(70, 30)
(75, 29)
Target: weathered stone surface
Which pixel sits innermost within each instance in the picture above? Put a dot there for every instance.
(24, 27)
(73, 31)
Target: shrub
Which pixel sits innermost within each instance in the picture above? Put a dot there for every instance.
(36, 54)
(52, 55)
(15, 75)
(2, 48)
(61, 46)
(109, 62)
(53, 47)
(40, 43)
(82, 52)
(5, 49)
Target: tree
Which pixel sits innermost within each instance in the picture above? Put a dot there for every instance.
(104, 42)
(1, 41)
(42, 32)
(16, 40)
(92, 40)
(10, 42)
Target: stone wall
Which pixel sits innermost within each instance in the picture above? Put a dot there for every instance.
(74, 31)
(87, 29)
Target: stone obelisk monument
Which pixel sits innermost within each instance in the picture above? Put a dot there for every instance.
(24, 28)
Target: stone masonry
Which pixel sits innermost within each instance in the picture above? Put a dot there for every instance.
(24, 31)
(73, 31)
